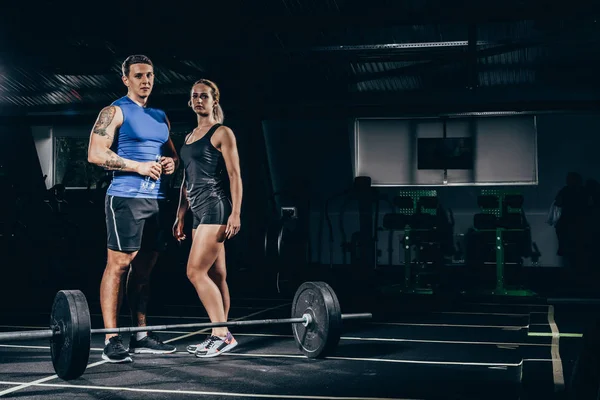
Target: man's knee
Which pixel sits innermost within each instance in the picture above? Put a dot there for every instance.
(119, 261)
(143, 263)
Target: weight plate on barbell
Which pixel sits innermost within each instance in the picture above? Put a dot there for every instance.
(70, 349)
(335, 328)
(319, 338)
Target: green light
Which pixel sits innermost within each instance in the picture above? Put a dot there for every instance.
(550, 334)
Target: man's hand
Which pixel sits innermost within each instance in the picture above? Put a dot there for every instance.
(168, 165)
(149, 168)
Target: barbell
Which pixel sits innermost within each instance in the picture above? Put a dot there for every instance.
(316, 323)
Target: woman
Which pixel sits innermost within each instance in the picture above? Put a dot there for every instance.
(209, 155)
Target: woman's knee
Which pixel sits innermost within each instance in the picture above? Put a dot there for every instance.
(217, 274)
(194, 273)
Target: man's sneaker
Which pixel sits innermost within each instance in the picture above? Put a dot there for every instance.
(193, 347)
(216, 346)
(114, 351)
(150, 344)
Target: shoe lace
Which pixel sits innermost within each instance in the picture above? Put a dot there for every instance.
(211, 341)
(154, 337)
(117, 341)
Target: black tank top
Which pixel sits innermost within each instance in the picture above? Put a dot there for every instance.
(205, 171)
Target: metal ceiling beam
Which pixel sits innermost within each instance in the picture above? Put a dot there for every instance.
(418, 68)
(484, 99)
(283, 86)
(565, 38)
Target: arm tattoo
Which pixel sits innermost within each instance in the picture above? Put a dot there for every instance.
(104, 120)
(114, 162)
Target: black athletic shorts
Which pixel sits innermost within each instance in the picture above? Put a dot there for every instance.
(134, 223)
(215, 211)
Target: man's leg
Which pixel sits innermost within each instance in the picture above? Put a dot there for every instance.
(123, 241)
(111, 298)
(138, 285)
(138, 282)
(111, 287)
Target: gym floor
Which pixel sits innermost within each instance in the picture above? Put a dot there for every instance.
(468, 349)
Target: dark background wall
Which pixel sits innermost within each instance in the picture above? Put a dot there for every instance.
(319, 151)
(297, 159)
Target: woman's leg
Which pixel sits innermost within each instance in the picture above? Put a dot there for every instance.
(206, 247)
(218, 273)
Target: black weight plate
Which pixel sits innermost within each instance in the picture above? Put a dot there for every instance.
(322, 335)
(335, 322)
(70, 349)
(272, 243)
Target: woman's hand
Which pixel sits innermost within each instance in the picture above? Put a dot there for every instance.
(178, 231)
(233, 226)
(168, 165)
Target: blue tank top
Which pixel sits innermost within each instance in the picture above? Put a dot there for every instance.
(140, 138)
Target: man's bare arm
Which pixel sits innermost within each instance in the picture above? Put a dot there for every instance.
(101, 138)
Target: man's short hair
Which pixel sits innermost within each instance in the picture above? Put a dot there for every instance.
(135, 59)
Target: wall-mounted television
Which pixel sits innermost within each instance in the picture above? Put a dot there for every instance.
(445, 153)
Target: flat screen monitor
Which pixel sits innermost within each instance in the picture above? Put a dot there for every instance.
(445, 153)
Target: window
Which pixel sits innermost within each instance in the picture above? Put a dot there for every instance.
(71, 167)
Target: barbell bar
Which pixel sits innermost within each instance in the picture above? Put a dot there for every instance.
(316, 323)
(306, 319)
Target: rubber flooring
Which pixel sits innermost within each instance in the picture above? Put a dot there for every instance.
(456, 350)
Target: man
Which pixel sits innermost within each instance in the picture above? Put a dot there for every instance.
(133, 141)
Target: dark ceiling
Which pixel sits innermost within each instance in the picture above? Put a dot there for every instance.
(283, 57)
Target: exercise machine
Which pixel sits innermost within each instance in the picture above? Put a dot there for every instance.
(501, 237)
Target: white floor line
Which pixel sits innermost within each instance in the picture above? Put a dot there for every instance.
(367, 339)
(480, 313)
(25, 385)
(385, 360)
(511, 304)
(15, 346)
(557, 369)
(351, 338)
(445, 341)
(549, 334)
(340, 358)
(193, 392)
(509, 327)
